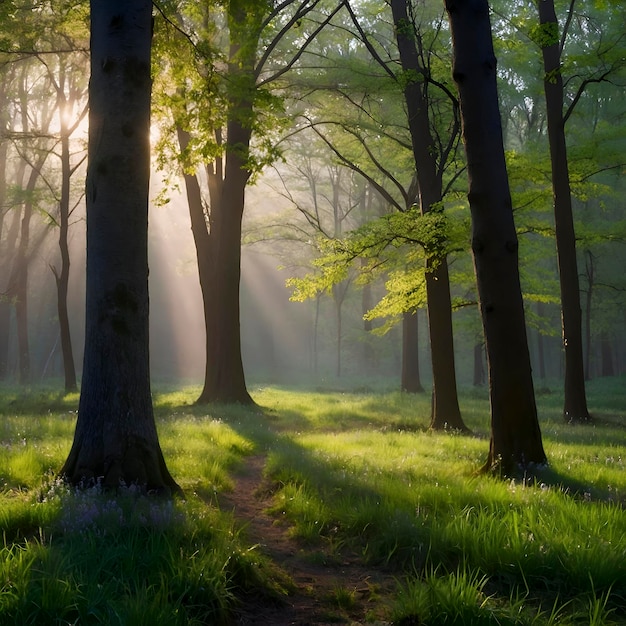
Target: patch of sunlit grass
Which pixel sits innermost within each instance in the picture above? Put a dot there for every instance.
(31, 446)
(201, 451)
(407, 496)
(342, 412)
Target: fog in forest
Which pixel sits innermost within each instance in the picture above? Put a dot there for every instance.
(283, 341)
(278, 342)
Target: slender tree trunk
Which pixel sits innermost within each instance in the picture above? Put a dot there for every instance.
(6, 249)
(20, 287)
(339, 293)
(575, 402)
(515, 434)
(116, 439)
(410, 379)
(368, 350)
(541, 357)
(445, 409)
(62, 277)
(589, 273)
(6, 253)
(315, 337)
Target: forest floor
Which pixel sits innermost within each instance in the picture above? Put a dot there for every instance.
(325, 588)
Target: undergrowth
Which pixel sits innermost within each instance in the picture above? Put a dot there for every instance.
(356, 472)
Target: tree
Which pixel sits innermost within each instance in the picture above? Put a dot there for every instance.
(575, 400)
(379, 146)
(515, 434)
(47, 52)
(445, 410)
(116, 439)
(226, 126)
(33, 151)
(67, 79)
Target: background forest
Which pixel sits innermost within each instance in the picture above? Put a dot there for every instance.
(330, 161)
(351, 160)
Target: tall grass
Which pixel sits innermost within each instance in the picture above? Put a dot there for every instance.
(356, 472)
(408, 499)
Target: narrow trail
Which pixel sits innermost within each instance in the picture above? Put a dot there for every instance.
(327, 589)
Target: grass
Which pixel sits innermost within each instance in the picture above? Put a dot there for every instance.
(349, 471)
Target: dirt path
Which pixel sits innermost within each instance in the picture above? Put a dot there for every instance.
(328, 589)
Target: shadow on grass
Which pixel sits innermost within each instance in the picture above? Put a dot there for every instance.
(549, 478)
(36, 401)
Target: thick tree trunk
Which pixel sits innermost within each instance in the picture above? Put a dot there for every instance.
(116, 439)
(515, 434)
(575, 401)
(410, 380)
(479, 370)
(218, 246)
(204, 241)
(225, 380)
(445, 409)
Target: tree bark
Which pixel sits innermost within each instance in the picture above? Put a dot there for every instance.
(19, 288)
(411, 382)
(446, 413)
(116, 440)
(369, 354)
(63, 275)
(515, 435)
(575, 400)
(225, 380)
(479, 370)
(541, 357)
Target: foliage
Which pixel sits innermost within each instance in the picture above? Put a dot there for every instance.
(397, 240)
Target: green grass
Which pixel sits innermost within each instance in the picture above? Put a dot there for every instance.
(349, 471)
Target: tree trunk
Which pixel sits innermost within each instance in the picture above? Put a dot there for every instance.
(479, 370)
(62, 277)
(225, 381)
(6, 253)
(116, 438)
(218, 243)
(445, 409)
(410, 380)
(515, 435)
(19, 288)
(575, 401)
(541, 357)
(339, 294)
(369, 354)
